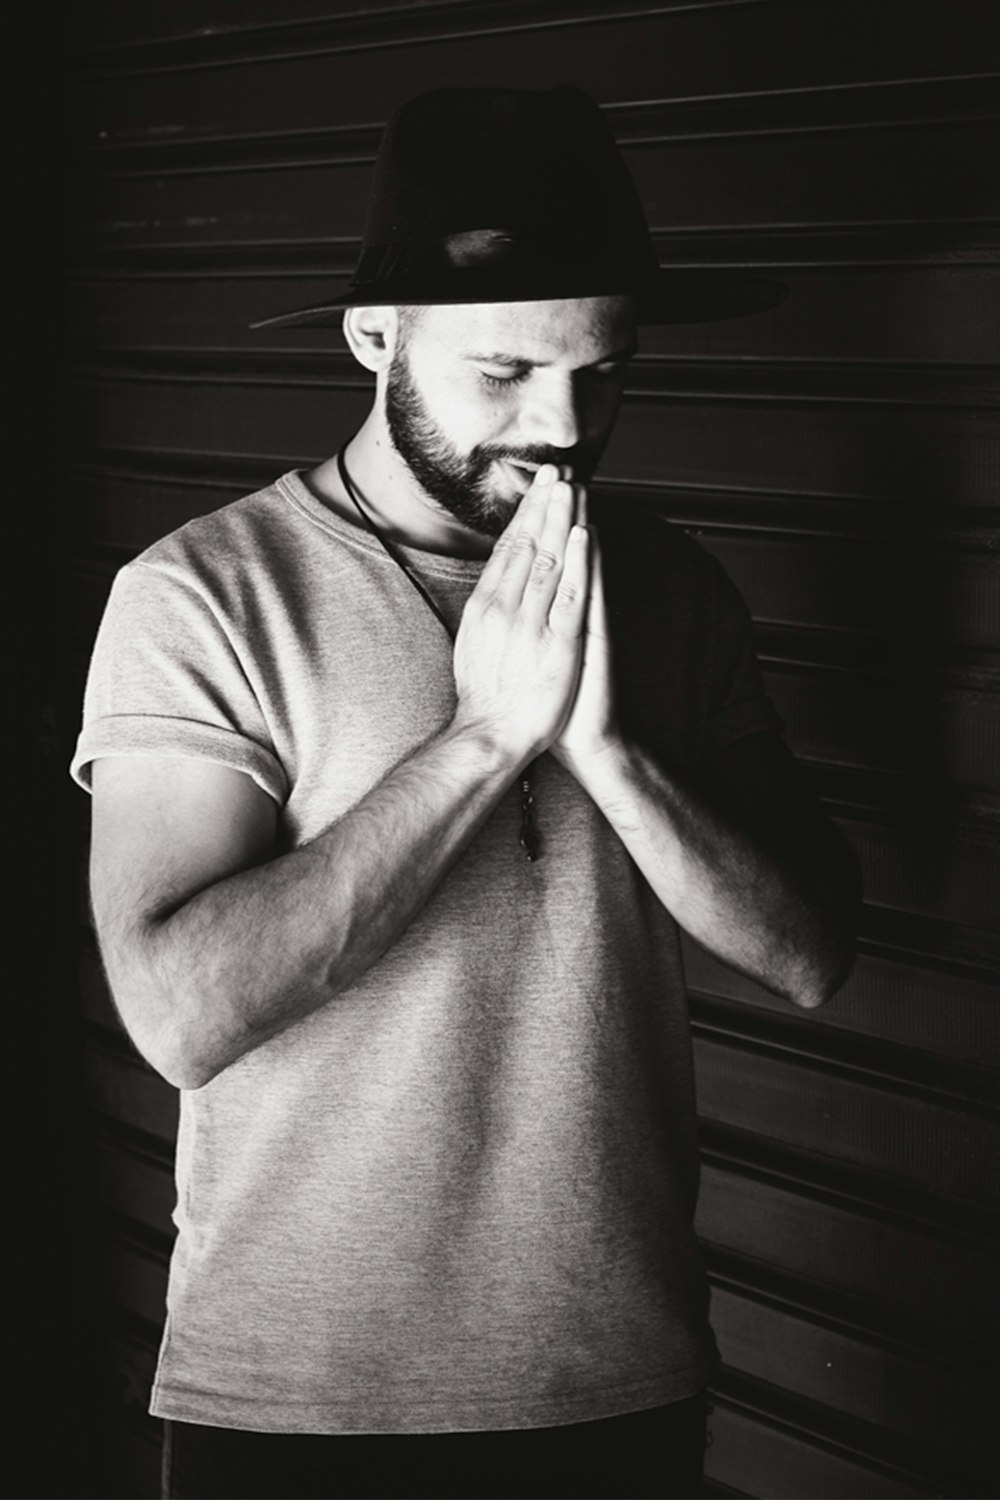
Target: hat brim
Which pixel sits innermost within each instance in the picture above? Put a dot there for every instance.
(673, 297)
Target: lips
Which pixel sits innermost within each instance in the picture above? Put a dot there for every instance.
(521, 474)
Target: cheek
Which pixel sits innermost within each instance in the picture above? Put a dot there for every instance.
(474, 417)
(466, 414)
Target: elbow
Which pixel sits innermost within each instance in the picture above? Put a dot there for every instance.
(179, 1057)
(186, 1072)
(173, 1020)
(810, 996)
(818, 981)
(197, 1044)
(168, 1029)
(831, 954)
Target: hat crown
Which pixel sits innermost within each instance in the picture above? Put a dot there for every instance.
(541, 165)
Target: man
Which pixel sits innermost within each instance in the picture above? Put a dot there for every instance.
(403, 782)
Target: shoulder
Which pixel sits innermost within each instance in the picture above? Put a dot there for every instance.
(248, 561)
(229, 537)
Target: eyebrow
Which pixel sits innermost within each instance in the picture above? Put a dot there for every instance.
(518, 361)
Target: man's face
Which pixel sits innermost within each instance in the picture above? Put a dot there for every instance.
(478, 397)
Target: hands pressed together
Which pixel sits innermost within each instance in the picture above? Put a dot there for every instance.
(532, 657)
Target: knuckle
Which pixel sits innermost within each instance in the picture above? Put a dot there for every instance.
(544, 561)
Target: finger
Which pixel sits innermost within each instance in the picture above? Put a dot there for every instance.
(530, 513)
(535, 564)
(532, 501)
(569, 606)
(550, 550)
(597, 610)
(580, 495)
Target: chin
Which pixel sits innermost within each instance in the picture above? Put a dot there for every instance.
(500, 513)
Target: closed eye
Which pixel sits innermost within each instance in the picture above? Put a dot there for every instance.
(600, 372)
(500, 380)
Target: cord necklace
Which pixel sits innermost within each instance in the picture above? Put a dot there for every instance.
(529, 838)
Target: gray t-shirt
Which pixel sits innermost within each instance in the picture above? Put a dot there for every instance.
(459, 1195)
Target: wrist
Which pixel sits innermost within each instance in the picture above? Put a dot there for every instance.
(495, 753)
(617, 778)
(603, 760)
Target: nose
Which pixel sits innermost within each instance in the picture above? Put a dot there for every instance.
(551, 416)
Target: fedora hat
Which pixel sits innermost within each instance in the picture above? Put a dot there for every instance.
(516, 195)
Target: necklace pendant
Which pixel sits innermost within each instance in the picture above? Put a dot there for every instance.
(530, 839)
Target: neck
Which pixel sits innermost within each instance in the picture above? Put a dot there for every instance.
(402, 511)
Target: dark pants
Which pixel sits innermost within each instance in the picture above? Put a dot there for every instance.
(656, 1454)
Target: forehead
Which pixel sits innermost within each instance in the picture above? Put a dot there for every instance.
(568, 330)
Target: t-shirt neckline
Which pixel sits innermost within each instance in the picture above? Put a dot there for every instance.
(294, 488)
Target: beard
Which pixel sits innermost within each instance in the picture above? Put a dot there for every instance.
(460, 483)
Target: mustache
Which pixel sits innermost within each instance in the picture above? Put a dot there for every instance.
(576, 458)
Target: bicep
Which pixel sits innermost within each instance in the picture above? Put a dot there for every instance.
(164, 829)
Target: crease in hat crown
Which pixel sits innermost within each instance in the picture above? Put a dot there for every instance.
(509, 195)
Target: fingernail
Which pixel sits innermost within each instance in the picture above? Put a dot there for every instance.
(546, 474)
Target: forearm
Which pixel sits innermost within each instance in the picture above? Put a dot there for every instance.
(243, 959)
(752, 904)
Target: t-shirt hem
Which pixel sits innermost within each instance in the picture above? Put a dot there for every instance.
(376, 1417)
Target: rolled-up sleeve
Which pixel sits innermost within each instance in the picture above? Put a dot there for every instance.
(166, 679)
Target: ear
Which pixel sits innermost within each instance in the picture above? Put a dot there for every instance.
(372, 334)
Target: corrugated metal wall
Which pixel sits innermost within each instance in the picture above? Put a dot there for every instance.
(840, 455)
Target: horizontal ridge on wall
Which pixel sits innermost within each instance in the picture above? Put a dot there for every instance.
(918, 939)
(907, 1071)
(847, 1313)
(653, 376)
(857, 1375)
(942, 1155)
(890, 103)
(814, 1176)
(952, 244)
(843, 1244)
(860, 1458)
(927, 1007)
(952, 667)
(384, 27)
(393, 26)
